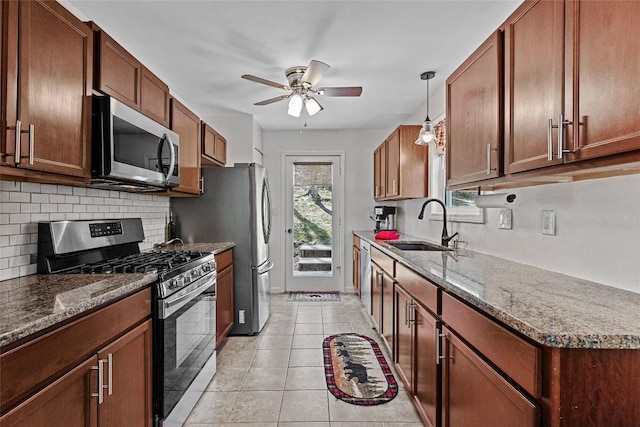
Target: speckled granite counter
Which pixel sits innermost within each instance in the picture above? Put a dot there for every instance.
(550, 308)
(33, 303)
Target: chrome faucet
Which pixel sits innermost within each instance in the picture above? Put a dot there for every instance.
(445, 234)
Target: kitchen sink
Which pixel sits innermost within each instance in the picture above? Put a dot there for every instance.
(416, 246)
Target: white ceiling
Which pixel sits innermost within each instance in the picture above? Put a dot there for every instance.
(201, 48)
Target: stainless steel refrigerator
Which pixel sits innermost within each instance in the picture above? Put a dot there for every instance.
(236, 207)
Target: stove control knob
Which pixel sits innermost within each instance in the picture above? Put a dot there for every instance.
(206, 267)
(187, 278)
(173, 284)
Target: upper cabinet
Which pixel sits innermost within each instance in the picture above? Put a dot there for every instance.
(214, 147)
(570, 94)
(46, 82)
(474, 115)
(186, 124)
(401, 166)
(120, 75)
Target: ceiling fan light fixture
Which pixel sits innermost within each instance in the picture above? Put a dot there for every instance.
(295, 105)
(312, 106)
(426, 135)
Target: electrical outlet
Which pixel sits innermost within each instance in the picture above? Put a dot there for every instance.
(548, 222)
(241, 316)
(504, 219)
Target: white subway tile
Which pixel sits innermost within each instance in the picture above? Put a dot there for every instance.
(4, 241)
(9, 251)
(4, 197)
(31, 227)
(4, 263)
(92, 208)
(63, 189)
(29, 249)
(114, 194)
(9, 186)
(22, 218)
(18, 261)
(98, 215)
(86, 215)
(9, 273)
(79, 191)
(86, 200)
(4, 218)
(48, 189)
(36, 217)
(30, 187)
(98, 201)
(63, 207)
(28, 270)
(58, 216)
(104, 209)
(114, 209)
(34, 237)
(9, 207)
(19, 239)
(93, 192)
(19, 197)
(57, 198)
(30, 207)
(79, 208)
(72, 216)
(9, 229)
(39, 198)
(72, 199)
(48, 207)
(104, 193)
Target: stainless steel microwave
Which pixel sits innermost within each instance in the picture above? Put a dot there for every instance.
(130, 151)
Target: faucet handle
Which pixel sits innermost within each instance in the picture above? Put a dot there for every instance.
(447, 239)
(459, 244)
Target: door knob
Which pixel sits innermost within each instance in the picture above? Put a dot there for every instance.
(289, 230)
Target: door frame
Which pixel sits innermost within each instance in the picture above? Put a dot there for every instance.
(338, 246)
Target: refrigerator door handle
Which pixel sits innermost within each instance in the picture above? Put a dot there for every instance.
(267, 266)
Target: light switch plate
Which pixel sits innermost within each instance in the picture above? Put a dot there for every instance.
(504, 219)
(548, 222)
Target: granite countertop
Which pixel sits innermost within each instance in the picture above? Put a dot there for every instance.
(33, 303)
(550, 308)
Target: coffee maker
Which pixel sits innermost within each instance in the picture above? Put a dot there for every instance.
(385, 218)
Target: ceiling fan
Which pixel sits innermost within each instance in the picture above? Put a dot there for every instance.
(301, 84)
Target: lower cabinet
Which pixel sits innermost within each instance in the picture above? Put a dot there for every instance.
(224, 295)
(60, 379)
(474, 394)
(382, 302)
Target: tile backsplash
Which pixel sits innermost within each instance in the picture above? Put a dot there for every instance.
(24, 204)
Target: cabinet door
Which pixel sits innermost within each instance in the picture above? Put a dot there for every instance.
(120, 73)
(224, 304)
(377, 277)
(425, 353)
(393, 164)
(187, 125)
(387, 309)
(220, 150)
(128, 375)
(67, 402)
(209, 140)
(379, 174)
(356, 269)
(534, 66)
(403, 338)
(474, 394)
(602, 40)
(55, 79)
(154, 97)
(474, 114)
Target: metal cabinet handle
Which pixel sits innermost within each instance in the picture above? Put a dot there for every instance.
(100, 393)
(561, 124)
(406, 313)
(437, 346)
(110, 374)
(18, 151)
(550, 140)
(32, 142)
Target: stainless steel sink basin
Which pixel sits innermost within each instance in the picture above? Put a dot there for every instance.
(416, 246)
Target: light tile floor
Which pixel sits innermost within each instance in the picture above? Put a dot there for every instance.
(276, 378)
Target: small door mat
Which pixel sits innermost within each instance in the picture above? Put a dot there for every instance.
(356, 370)
(314, 296)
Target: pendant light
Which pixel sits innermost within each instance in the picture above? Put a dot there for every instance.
(426, 134)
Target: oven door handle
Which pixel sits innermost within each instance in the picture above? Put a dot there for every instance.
(170, 305)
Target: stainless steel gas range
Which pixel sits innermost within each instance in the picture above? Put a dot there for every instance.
(184, 303)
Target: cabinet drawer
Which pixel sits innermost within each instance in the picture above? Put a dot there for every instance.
(423, 291)
(356, 241)
(384, 261)
(516, 357)
(28, 367)
(224, 259)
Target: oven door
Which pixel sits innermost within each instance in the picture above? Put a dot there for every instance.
(185, 340)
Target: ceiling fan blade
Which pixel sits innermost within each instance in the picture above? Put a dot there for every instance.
(264, 81)
(314, 72)
(340, 91)
(272, 100)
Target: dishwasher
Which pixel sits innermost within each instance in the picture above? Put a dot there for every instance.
(365, 274)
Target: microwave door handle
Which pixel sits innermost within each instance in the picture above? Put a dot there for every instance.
(160, 144)
(172, 164)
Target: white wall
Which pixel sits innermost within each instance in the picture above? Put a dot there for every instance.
(358, 177)
(239, 132)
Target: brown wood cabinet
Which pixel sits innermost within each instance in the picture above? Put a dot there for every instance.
(474, 394)
(54, 379)
(46, 79)
(214, 147)
(120, 75)
(580, 67)
(224, 295)
(186, 124)
(401, 166)
(474, 115)
(416, 341)
(356, 264)
(382, 283)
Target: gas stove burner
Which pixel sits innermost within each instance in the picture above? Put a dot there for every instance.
(147, 262)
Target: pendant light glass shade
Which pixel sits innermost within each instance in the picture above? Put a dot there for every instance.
(427, 135)
(312, 106)
(295, 105)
